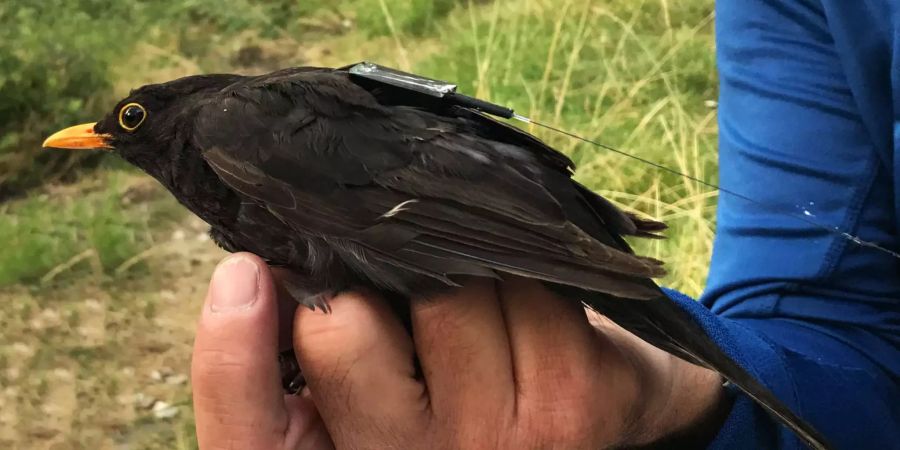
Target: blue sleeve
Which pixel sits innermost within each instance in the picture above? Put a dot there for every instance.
(854, 407)
(808, 121)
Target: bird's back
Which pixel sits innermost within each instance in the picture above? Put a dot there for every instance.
(360, 184)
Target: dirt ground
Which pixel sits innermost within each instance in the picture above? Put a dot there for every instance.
(103, 363)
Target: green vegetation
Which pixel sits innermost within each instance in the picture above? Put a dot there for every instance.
(60, 61)
(101, 270)
(98, 230)
(634, 76)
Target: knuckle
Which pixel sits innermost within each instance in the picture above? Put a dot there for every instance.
(362, 432)
(477, 434)
(450, 332)
(214, 364)
(333, 349)
(557, 427)
(564, 413)
(564, 377)
(320, 333)
(439, 317)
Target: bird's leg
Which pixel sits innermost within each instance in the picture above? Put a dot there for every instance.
(292, 380)
(295, 286)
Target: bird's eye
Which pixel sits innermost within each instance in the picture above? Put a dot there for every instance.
(132, 116)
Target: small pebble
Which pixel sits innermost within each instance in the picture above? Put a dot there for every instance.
(161, 374)
(92, 304)
(163, 410)
(144, 401)
(63, 374)
(22, 349)
(176, 379)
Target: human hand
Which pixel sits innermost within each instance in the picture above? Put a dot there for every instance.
(505, 365)
(510, 368)
(239, 402)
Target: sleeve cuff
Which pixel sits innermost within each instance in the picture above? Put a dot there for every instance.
(853, 407)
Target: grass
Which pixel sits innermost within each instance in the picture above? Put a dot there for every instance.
(89, 227)
(633, 76)
(101, 278)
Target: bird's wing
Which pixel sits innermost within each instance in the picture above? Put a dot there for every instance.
(444, 193)
(436, 193)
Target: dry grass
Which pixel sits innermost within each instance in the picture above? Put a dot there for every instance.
(637, 77)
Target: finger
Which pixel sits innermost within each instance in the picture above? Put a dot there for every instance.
(463, 346)
(358, 363)
(236, 384)
(552, 342)
(306, 430)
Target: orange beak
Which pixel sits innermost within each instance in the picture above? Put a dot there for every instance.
(79, 137)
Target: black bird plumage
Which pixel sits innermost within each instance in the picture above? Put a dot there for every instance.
(351, 184)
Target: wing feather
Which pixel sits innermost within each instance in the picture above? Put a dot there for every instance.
(425, 193)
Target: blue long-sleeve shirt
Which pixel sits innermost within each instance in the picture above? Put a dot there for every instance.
(808, 119)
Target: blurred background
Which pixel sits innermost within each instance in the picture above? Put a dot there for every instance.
(102, 273)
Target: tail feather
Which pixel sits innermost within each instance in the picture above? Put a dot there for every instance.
(663, 324)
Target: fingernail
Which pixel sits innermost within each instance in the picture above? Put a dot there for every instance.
(235, 285)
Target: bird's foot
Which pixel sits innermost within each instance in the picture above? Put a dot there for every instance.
(318, 301)
(292, 380)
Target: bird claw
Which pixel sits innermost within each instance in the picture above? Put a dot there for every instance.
(320, 301)
(292, 380)
(306, 297)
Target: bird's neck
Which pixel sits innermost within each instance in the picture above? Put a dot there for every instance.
(201, 191)
(197, 187)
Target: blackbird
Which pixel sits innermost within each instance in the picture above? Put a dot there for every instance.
(348, 183)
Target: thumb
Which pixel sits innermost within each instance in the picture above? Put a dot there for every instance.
(238, 398)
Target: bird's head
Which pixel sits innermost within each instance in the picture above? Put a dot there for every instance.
(149, 128)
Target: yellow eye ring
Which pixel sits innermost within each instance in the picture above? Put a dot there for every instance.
(132, 116)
